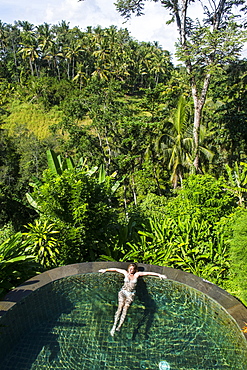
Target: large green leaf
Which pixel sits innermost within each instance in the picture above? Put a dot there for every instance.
(53, 162)
(32, 202)
(102, 174)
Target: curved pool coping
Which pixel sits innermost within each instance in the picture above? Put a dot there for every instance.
(232, 305)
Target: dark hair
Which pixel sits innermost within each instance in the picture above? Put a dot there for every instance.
(134, 265)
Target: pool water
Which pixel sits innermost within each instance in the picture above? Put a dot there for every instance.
(66, 325)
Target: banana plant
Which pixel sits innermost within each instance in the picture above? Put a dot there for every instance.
(103, 178)
(56, 164)
(237, 181)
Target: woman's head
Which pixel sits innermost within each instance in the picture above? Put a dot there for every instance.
(132, 268)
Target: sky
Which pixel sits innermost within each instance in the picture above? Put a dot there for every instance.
(150, 27)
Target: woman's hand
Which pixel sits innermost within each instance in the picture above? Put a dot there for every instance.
(162, 276)
(102, 270)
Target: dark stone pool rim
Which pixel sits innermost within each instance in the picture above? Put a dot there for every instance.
(232, 305)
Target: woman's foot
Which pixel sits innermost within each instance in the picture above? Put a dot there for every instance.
(112, 332)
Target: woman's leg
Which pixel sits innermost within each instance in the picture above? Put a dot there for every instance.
(125, 308)
(121, 303)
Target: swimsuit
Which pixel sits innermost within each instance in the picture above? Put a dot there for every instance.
(128, 291)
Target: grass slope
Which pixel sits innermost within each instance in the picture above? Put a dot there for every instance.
(31, 116)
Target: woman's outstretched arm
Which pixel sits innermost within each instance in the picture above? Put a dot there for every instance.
(142, 273)
(121, 271)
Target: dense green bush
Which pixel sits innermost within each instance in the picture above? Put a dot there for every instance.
(189, 231)
(16, 263)
(186, 243)
(238, 257)
(204, 197)
(79, 206)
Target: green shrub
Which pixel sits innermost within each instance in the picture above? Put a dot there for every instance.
(189, 231)
(16, 263)
(238, 257)
(203, 197)
(79, 206)
(43, 242)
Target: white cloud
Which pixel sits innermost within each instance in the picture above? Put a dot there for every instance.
(83, 14)
(152, 27)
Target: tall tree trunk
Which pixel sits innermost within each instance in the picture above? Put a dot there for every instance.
(125, 203)
(133, 190)
(199, 102)
(108, 148)
(196, 133)
(198, 98)
(68, 68)
(31, 66)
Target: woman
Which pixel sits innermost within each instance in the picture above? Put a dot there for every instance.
(127, 292)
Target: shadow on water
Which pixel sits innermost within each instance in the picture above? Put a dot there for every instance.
(32, 330)
(49, 343)
(149, 311)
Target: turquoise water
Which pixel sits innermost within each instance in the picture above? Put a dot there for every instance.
(66, 325)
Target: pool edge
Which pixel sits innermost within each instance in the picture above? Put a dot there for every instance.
(231, 304)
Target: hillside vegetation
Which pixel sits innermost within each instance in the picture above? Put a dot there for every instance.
(98, 156)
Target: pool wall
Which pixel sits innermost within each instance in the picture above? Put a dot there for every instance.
(232, 305)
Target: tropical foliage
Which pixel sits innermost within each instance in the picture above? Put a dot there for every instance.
(238, 257)
(43, 244)
(190, 231)
(16, 263)
(76, 204)
(98, 150)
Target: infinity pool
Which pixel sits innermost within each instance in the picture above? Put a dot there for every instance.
(66, 325)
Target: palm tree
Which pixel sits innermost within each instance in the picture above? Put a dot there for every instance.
(161, 64)
(30, 52)
(29, 45)
(45, 37)
(80, 76)
(72, 53)
(3, 36)
(237, 181)
(26, 26)
(102, 54)
(61, 31)
(52, 56)
(176, 144)
(13, 40)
